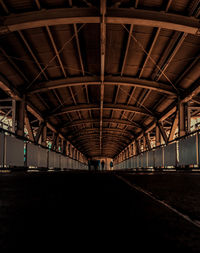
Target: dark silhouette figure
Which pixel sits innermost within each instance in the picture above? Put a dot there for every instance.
(111, 165)
(102, 164)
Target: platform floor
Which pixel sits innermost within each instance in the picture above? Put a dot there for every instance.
(95, 211)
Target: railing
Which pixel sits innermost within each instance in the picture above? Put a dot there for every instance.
(182, 152)
(18, 152)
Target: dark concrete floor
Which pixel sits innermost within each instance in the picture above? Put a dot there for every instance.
(69, 211)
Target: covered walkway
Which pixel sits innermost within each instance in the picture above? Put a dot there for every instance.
(88, 86)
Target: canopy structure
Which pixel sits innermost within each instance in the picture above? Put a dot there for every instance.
(101, 74)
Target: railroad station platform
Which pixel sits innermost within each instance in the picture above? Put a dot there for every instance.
(68, 210)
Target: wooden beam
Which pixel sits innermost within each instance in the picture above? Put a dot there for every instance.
(168, 5)
(56, 51)
(54, 141)
(172, 55)
(5, 8)
(108, 80)
(60, 63)
(79, 49)
(77, 43)
(189, 67)
(149, 52)
(32, 54)
(110, 140)
(127, 48)
(102, 64)
(29, 127)
(173, 127)
(86, 107)
(39, 131)
(186, 96)
(181, 119)
(162, 131)
(12, 91)
(95, 130)
(94, 121)
(37, 2)
(14, 65)
(18, 117)
(148, 143)
(41, 18)
(194, 10)
(94, 136)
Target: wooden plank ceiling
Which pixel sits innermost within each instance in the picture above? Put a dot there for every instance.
(101, 72)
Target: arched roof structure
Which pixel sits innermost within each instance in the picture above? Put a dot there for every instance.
(100, 72)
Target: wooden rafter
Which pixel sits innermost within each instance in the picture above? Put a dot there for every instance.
(32, 53)
(102, 64)
(149, 52)
(86, 107)
(16, 22)
(5, 8)
(56, 51)
(170, 58)
(92, 121)
(108, 80)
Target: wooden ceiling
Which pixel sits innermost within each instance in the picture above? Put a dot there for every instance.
(101, 72)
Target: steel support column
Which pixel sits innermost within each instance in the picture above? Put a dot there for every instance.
(137, 147)
(158, 137)
(64, 147)
(44, 136)
(18, 117)
(188, 116)
(173, 127)
(181, 119)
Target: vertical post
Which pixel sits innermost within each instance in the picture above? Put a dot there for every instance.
(173, 127)
(137, 147)
(158, 137)
(197, 148)
(188, 115)
(181, 119)
(44, 136)
(69, 150)
(144, 143)
(132, 147)
(147, 141)
(18, 117)
(13, 115)
(72, 152)
(64, 146)
(123, 155)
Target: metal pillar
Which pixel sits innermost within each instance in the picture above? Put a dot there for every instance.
(173, 127)
(188, 116)
(44, 136)
(64, 147)
(72, 152)
(181, 119)
(158, 136)
(137, 147)
(18, 117)
(57, 143)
